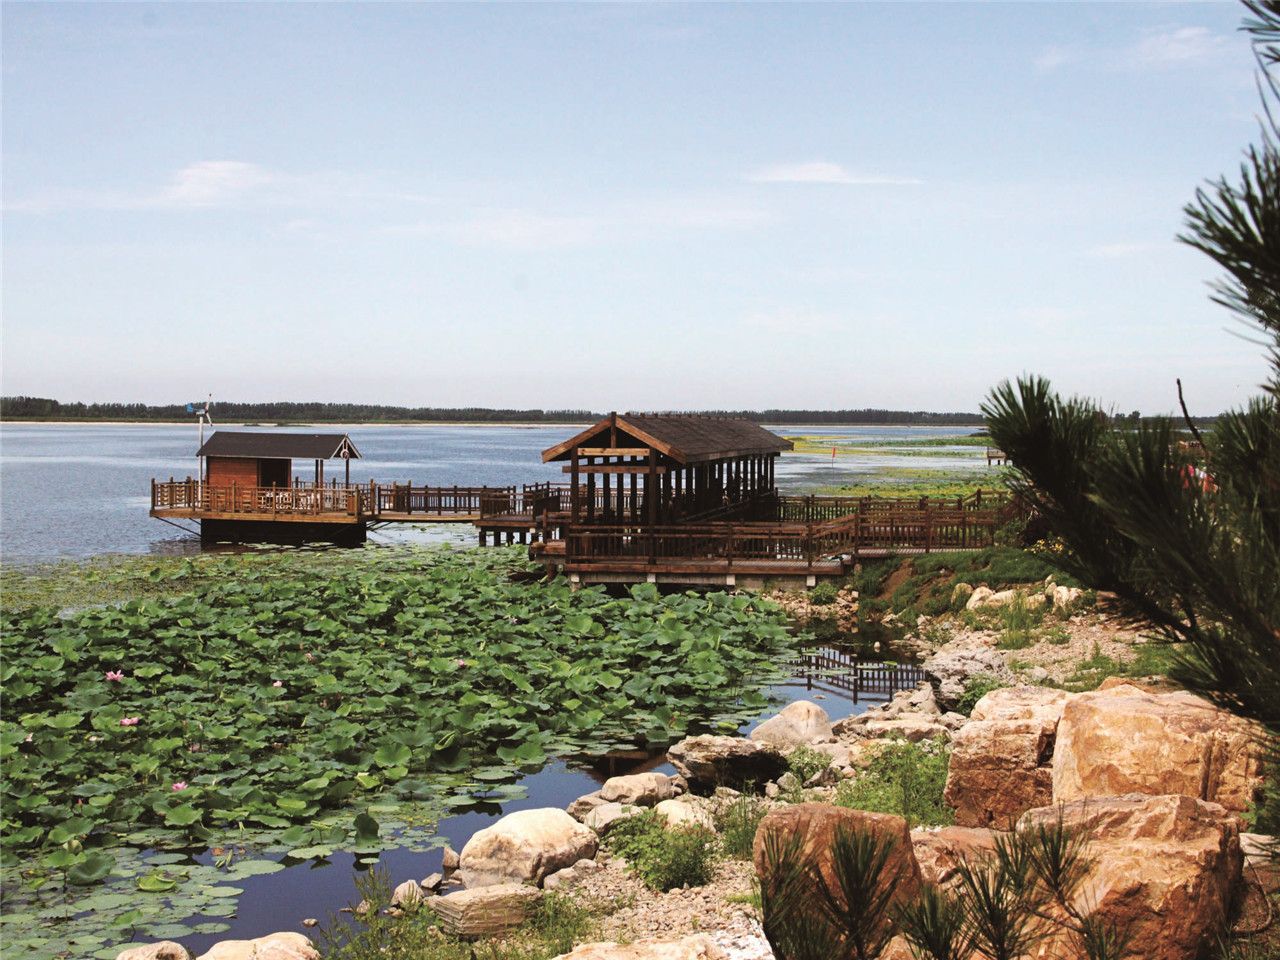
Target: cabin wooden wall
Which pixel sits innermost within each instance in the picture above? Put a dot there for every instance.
(225, 471)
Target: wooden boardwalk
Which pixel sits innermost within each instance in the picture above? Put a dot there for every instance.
(768, 537)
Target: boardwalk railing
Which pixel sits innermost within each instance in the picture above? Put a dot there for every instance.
(873, 528)
(369, 501)
(406, 499)
(299, 500)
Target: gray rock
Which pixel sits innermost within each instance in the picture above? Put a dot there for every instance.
(642, 789)
(949, 670)
(487, 911)
(606, 816)
(800, 722)
(584, 805)
(408, 894)
(708, 762)
(525, 846)
(161, 950)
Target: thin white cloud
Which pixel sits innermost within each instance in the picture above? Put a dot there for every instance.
(1174, 47)
(1164, 49)
(1052, 58)
(213, 183)
(822, 171)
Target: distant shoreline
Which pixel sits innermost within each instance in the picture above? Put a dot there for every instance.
(444, 423)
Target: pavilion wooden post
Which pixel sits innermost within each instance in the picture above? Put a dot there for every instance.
(651, 496)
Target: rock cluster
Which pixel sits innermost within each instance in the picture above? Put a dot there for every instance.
(275, 946)
(1027, 747)
(1157, 778)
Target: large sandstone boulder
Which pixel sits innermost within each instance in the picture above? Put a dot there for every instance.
(816, 824)
(797, 723)
(699, 947)
(707, 762)
(274, 946)
(941, 852)
(641, 789)
(161, 950)
(1001, 761)
(525, 846)
(1129, 740)
(487, 911)
(1163, 869)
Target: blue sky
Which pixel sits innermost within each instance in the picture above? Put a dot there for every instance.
(618, 206)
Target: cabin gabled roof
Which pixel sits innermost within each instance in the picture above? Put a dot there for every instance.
(279, 446)
(685, 439)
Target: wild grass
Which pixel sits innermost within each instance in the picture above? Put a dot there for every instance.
(905, 779)
(662, 856)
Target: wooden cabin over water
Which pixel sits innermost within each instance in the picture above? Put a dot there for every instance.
(247, 493)
(247, 490)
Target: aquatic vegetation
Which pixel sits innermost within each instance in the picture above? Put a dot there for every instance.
(268, 700)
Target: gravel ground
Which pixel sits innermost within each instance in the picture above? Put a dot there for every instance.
(717, 909)
(1100, 629)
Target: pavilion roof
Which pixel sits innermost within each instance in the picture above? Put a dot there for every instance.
(685, 439)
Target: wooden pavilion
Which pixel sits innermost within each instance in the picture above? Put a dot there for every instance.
(652, 470)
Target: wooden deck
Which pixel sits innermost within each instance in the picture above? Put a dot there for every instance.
(822, 537)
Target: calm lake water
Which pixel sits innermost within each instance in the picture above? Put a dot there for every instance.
(79, 490)
(71, 491)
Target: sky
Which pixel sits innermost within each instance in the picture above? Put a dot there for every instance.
(619, 206)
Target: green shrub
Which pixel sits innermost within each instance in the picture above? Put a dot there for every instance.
(737, 824)
(804, 761)
(906, 779)
(823, 594)
(977, 687)
(663, 857)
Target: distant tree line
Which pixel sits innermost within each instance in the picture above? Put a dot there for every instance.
(865, 416)
(42, 408)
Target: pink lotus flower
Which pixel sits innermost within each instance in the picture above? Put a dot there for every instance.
(129, 721)
(180, 785)
(278, 683)
(460, 662)
(116, 675)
